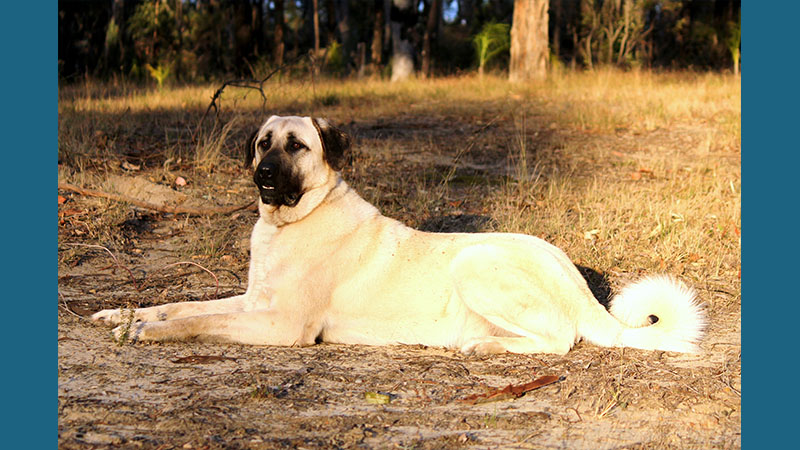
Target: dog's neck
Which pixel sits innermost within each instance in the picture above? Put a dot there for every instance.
(279, 216)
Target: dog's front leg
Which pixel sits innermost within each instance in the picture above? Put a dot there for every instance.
(259, 327)
(169, 311)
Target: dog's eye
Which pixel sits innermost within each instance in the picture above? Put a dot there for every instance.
(263, 145)
(297, 146)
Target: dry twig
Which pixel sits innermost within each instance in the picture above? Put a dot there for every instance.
(247, 83)
(511, 391)
(216, 280)
(116, 261)
(66, 307)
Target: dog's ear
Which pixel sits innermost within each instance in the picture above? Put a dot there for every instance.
(250, 149)
(335, 144)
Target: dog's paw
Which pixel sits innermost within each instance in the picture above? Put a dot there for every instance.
(114, 317)
(127, 332)
(482, 347)
(108, 317)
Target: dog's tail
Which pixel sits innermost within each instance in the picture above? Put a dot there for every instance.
(654, 313)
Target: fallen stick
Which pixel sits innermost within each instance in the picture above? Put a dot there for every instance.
(155, 207)
(511, 391)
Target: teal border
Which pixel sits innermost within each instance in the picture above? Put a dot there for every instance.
(770, 125)
(770, 229)
(29, 36)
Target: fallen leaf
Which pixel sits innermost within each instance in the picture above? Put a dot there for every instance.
(128, 166)
(376, 398)
(591, 234)
(70, 212)
(511, 391)
(636, 176)
(61, 199)
(180, 181)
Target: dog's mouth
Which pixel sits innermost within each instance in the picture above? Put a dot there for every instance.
(270, 196)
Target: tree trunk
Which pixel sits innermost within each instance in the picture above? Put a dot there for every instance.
(343, 25)
(257, 26)
(402, 18)
(557, 29)
(114, 49)
(529, 46)
(431, 34)
(377, 33)
(178, 61)
(316, 27)
(330, 27)
(466, 13)
(280, 29)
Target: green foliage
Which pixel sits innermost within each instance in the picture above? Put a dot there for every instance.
(334, 58)
(733, 41)
(202, 41)
(159, 73)
(153, 32)
(112, 34)
(612, 32)
(493, 39)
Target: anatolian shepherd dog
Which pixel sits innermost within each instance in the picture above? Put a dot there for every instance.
(327, 266)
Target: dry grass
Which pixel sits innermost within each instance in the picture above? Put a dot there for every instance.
(626, 171)
(629, 173)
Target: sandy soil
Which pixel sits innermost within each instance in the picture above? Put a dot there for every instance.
(203, 396)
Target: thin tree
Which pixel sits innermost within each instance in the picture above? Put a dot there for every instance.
(345, 32)
(402, 17)
(377, 31)
(431, 34)
(316, 27)
(529, 44)
(280, 29)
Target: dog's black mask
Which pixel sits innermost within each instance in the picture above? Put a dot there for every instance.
(278, 184)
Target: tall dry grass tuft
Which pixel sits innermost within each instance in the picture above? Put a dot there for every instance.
(213, 147)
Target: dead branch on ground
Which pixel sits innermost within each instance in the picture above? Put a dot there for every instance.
(155, 207)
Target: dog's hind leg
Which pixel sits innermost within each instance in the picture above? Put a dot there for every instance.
(489, 345)
(169, 311)
(509, 292)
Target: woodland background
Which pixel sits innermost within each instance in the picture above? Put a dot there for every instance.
(180, 41)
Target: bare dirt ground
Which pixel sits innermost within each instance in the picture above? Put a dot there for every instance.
(204, 396)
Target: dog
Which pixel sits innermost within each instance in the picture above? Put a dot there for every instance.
(326, 266)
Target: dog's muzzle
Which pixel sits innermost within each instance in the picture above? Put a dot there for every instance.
(274, 188)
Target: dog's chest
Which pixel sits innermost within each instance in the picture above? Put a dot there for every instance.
(280, 259)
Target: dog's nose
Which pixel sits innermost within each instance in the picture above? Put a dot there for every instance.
(265, 173)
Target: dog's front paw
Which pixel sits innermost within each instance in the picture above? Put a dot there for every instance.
(113, 317)
(108, 317)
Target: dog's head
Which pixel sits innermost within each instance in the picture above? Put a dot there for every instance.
(292, 155)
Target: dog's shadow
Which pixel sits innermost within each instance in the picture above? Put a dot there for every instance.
(473, 223)
(458, 223)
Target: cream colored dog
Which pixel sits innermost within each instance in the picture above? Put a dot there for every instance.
(327, 266)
